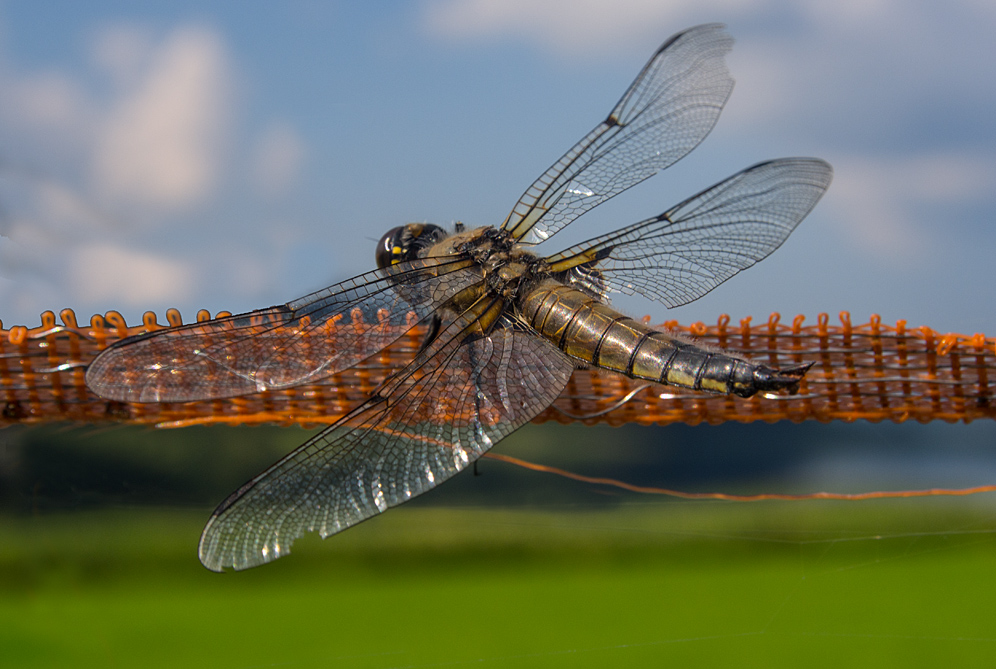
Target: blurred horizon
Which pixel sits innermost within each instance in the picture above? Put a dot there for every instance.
(61, 467)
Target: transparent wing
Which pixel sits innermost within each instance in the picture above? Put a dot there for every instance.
(667, 111)
(441, 413)
(305, 340)
(690, 249)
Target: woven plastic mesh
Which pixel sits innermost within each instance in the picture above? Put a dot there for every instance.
(870, 371)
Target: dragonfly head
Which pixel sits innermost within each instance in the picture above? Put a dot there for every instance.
(406, 242)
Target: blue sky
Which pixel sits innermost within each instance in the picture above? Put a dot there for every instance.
(236, 155)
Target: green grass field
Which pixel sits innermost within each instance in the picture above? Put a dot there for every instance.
(875, 584)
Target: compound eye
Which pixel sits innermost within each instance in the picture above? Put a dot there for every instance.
(390, 249)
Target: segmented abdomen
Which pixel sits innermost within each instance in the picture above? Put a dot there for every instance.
(591, 331)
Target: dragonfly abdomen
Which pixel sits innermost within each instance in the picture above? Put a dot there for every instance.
(586, 329)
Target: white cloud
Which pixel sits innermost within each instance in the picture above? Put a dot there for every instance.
(49, 107)
(42, 218)
(48, 100)
(278, 158)
(113, 274)
(571, 25)
(133, 141)
(161, 144)
(155, 138)
(123, 51)
(858, 13)
(880, 199)
(766, 87)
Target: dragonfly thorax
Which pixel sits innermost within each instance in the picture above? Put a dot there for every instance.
(505, 266)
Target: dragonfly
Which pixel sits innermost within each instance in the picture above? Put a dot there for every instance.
(506, 327)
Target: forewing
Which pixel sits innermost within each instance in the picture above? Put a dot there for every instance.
(667, 111)
(303, 341)
(690, 249)
(459, 398)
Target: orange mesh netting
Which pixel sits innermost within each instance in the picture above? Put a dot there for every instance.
(870, 371)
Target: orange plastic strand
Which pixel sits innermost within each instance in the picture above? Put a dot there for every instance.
(651, 490)
(869, 371)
